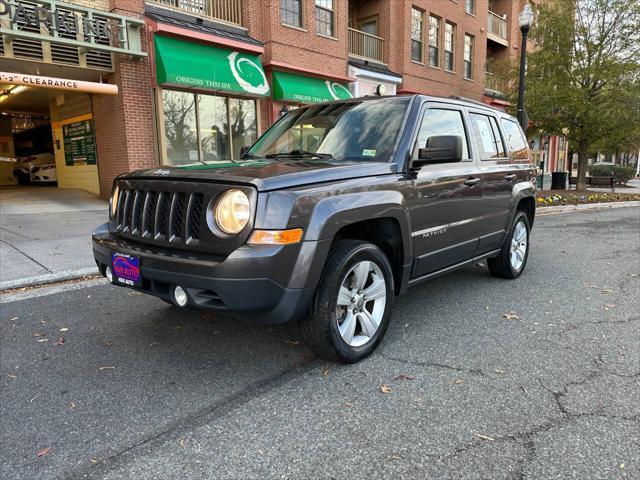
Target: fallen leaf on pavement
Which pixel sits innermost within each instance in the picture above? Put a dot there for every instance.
(106, 368)
(484, 437)
(385, 389)
(348, 404)
(293, 343)
(133, 294)
(43, 452)
(607, 290)
(60, 341)
(404, 377)
(181, 441)
(108, 344)
(72, 405)
(325, 371)
(43, 340)
(621, 466)
(511, 316)
(459, 381)
(178, 327)
(13, 318)
(608, 306)
(12, 376)
(94, 460)
(498, 370)
(64, 329)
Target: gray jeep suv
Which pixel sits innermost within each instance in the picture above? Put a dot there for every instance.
(334, 211)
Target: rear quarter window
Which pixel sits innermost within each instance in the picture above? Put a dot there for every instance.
(516, 142)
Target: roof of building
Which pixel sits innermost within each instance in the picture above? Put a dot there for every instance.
(199, 24)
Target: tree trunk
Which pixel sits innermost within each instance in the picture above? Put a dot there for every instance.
(581, 184)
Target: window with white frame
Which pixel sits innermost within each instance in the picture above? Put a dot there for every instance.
(468, 56)
(417, 20)
(434, 41)
(324, 17)
(291, 12)
(449, 46)
(470, 6)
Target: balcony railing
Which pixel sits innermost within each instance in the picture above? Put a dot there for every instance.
(494, 82)
(228, 11)
(497, 25)
(365, 45)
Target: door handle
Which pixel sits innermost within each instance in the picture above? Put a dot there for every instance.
(510, 178)
(470, 182)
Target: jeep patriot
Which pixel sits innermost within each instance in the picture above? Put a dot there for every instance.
(331, 213)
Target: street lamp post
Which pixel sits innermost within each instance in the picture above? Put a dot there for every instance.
(524, 19)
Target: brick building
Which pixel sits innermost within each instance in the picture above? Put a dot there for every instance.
(208, 76)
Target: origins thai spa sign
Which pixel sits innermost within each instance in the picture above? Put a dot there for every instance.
(194, 65)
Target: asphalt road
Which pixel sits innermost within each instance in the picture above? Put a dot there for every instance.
(140, 390)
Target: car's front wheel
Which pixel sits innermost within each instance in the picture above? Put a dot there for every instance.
(513, 257)
(352, 305)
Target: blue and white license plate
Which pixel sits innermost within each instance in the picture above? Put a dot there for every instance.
(126, 269)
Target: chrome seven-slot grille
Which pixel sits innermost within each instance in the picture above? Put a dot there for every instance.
(157, 216)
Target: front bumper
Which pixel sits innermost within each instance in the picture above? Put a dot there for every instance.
(256, 284)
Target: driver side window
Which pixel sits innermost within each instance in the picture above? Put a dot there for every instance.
(439, 121)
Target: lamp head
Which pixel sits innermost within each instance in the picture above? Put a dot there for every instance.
(525, 19)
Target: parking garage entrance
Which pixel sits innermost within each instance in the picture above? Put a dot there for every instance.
(47, 137)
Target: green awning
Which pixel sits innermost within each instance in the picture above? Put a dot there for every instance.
(290, 87)
(194, 65)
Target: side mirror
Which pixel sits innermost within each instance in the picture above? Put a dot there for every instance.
(440, 149)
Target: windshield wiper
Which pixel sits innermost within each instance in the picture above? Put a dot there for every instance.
(300, 153)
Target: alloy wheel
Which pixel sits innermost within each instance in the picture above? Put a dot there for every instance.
(361, 302)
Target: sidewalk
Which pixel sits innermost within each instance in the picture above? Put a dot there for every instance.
(45, 234)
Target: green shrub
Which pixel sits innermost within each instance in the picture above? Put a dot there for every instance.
(620, 173)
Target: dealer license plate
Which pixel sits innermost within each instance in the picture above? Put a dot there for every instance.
(126, 269)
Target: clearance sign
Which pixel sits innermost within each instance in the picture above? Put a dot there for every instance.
(57, 83)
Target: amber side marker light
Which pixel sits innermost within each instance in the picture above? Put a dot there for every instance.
(275, 237)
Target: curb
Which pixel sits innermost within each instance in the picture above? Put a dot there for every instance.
(48, 278)
(542, 211)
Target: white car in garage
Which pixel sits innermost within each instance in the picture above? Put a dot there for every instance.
(38, 168)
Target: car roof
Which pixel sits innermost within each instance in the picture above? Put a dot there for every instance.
(452, 100)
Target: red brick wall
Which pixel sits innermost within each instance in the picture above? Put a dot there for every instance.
(125, 129)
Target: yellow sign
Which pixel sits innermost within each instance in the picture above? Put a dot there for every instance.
(58, 83)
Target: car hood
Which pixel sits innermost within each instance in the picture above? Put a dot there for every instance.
(269, 174)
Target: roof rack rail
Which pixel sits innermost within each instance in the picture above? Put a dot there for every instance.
(470, 100)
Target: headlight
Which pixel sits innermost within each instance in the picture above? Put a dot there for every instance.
(113, 201)
(232, 212)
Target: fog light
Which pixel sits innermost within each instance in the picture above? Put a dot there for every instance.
(180, 296)
(109, 274)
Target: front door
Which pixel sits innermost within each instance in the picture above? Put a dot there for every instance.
(444, 212)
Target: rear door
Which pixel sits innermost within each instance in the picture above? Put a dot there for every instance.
(443, 214)
(498, 179)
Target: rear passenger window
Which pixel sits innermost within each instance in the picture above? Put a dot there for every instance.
(515, 139)
(487, 139)
(438, 121)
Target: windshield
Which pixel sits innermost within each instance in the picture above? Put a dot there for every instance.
(364, 130)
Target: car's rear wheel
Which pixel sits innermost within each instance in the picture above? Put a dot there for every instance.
(511, 261)
(352, 305)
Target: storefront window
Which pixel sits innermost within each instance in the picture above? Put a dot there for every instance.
(205, 128)
(242, 114)
(213, 128)
(180, 133)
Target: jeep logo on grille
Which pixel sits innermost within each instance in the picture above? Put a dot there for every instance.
(162, 172)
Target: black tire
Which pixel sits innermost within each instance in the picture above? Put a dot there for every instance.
(501, 266)
(320, 329)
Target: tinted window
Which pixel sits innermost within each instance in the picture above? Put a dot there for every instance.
(515, 139)
(484, 137)
(499, 142)
(437, 121)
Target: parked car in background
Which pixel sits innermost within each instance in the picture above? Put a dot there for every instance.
(37, 168)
